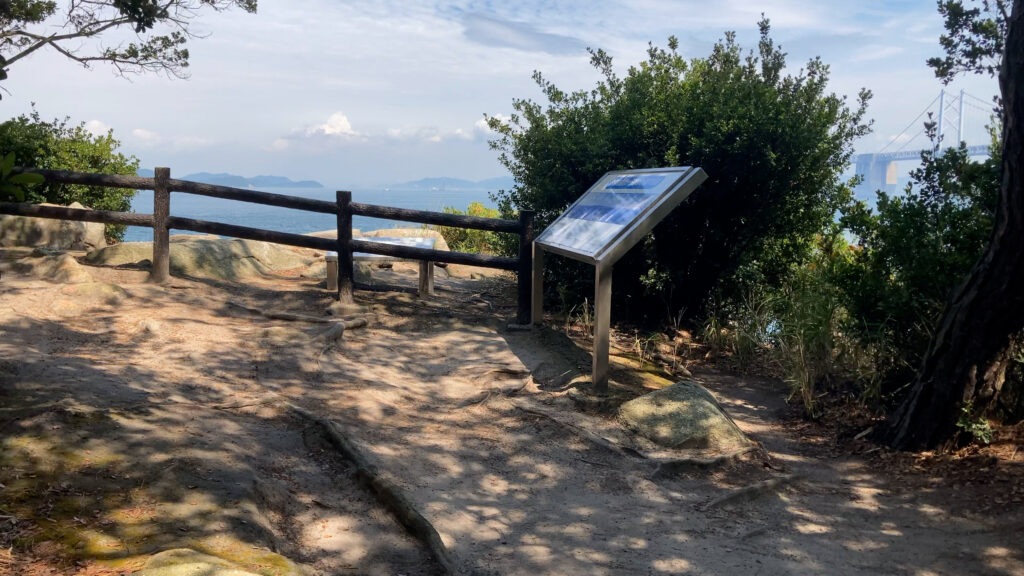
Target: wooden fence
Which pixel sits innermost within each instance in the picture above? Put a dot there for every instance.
(162, 222)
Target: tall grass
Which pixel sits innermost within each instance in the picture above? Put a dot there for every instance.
(809, 315)
(797, 331)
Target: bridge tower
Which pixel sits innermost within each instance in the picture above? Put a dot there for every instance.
(880, 171)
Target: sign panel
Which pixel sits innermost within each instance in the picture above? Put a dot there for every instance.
(618, 210)
(608, 220)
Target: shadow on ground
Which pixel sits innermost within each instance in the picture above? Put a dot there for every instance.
(155, 423)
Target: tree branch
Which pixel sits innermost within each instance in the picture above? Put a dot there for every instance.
(84, 19)
(55, 38)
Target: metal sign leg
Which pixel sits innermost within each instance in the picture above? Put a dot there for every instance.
(537, 308)
(602, 326)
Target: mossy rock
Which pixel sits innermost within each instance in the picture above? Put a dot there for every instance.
(188, 562)
(685, 416)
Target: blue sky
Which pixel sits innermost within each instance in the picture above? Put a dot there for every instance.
(360, 93)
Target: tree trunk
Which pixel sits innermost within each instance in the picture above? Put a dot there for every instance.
(966, 360)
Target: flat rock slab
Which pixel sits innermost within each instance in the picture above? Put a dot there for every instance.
(684, 415)
(219, 259)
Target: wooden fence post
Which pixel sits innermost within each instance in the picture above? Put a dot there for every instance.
(345, 272)
(525, 272)
(161, 268)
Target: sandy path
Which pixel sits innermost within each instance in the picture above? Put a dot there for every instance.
(113, 448)
(510, 492)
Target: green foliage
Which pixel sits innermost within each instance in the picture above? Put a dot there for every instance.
(865, 313)
(974, 38)
(27, 26)
(914, 251)
(773, 145)
(466, 239)
(12, 186)
(975, 425)
(809, 312)
(57, 145)
(794, 330)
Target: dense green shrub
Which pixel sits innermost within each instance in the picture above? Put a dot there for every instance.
(913, 250)
(865, 312)
(773, 146)
(58, 145)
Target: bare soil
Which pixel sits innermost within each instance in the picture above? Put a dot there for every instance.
(158, 418)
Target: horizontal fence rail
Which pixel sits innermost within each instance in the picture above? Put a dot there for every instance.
(162, 222)
(78, 214)
(220, 229)
(411, 253)
(252, 196)
(437, 218)
(91, 178)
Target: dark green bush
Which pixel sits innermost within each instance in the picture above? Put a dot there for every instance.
(913, 250)
(773, 146)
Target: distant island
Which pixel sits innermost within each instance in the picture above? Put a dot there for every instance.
(236, 181)
(454, 184)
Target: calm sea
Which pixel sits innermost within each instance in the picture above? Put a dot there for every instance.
(298, 221)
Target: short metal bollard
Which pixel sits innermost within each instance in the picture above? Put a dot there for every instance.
(332, 271)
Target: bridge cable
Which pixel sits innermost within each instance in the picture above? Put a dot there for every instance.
(912, 122)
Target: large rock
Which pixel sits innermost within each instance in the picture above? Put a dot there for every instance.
(684, 415)
(57, 268)
(216, 258)
(188, 562)
(50, 233)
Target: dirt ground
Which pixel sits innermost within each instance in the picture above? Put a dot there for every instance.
(137, 418)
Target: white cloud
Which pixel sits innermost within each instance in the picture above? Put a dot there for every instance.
(337, 125)
(150, 139)
(146, 136)
(421, 133)
(97, 128)
(280, 144)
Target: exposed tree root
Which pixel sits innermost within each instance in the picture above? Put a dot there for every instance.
(364, 318)
(671, 467)
(484, 395)
(261, 401)
(581, 432)
(748, 492)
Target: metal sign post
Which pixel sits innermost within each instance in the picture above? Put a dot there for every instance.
(599, 228)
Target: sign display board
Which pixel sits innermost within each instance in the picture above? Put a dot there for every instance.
(410, 241)
(608, 220)
(618, 211)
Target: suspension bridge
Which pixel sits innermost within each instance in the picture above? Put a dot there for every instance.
(950, 111)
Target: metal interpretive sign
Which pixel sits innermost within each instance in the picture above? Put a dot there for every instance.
(609, 219)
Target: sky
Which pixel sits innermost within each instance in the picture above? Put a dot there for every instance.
(367, 93)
